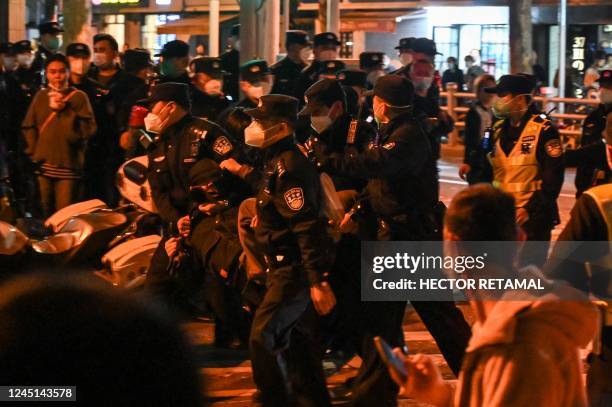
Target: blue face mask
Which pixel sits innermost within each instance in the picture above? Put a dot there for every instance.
(168, 68)
(52, 44)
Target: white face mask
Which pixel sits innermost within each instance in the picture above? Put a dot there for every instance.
(605, 96)
(25, 60)
(257, 136)
(9, 63)
(374, 75)
(154, 123)
(328, 55)
(422, 83)
(405, 58)
(77, 66)
(305, 54)
(320, 123)
(258, 90)
(214, 87)
(100, 60)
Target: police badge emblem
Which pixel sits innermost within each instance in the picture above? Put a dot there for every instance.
(222, 145)
(295, 198)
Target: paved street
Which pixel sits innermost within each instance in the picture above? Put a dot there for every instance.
(227, 374)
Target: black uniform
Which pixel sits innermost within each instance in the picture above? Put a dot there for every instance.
(474, 154)
(230, 62)
(293, 237)
(133, 89)
(588, 170)
(402, 192)
(208, 106)
(170, 162)
(40, 58)
(286, 76)
(307, 77)
(29, 81)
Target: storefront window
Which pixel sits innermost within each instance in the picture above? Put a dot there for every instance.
(495, 49)
(447, 43)
(346, 49)
(151, 40)
(114, 24)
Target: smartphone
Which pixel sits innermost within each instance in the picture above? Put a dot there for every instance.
(390, 359)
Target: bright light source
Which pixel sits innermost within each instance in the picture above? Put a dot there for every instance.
(398, 19)
(349, 43)
(163, 2)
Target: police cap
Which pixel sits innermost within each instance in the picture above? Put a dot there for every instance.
(395, 90)
(323, 92)
(174, 49)
(170, 92)
(209, 65)
(424, 46)
(325, 39)
(50, 27)
(514, 84)
(278, 108)
(78, 49)
(7, 48)
(254, 71)
(405, 43)
(371, 60)
(22, 46)
(331, 68)
(352, 77)
(135, 59)
(297, 37)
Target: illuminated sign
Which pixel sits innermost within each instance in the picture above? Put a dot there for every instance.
(578, 48)
(142, 3)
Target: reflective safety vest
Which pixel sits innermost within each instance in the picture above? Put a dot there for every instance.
(602, 195)
(518, 173)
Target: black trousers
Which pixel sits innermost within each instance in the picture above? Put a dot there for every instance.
(285, 354)
(538, 229)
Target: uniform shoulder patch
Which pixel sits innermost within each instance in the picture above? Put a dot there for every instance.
(553, 148)
(295, 198)
(222, 145)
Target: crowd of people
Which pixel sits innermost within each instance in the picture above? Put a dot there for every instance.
(268, 178)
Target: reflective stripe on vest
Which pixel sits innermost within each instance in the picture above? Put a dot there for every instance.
(602, 195)
(518, 173)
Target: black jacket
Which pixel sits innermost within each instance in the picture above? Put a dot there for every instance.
(401, 170)
(288, 202)
(207, 106)
(286, 75)
(230, 62)
(173, 156)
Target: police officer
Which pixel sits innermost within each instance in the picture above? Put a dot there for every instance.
(255, 81)
(173, 62)
(287, 70)
(326, 108)
(181, 140)
(587, 158)
(402, 194)
(230, 62)
(286, 364)
(48, 44)
(356, 79)
(527, 160)
(421, 74)
(28, 78)
(373, 64)
(325, 49)
(208, 98)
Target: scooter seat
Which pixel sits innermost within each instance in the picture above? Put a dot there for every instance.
(61, 217)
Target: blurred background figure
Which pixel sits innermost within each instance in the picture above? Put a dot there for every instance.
(475, 168)
(49, 42)
(473, 72)
(200, 50)
(287, 70)
(452, 74)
